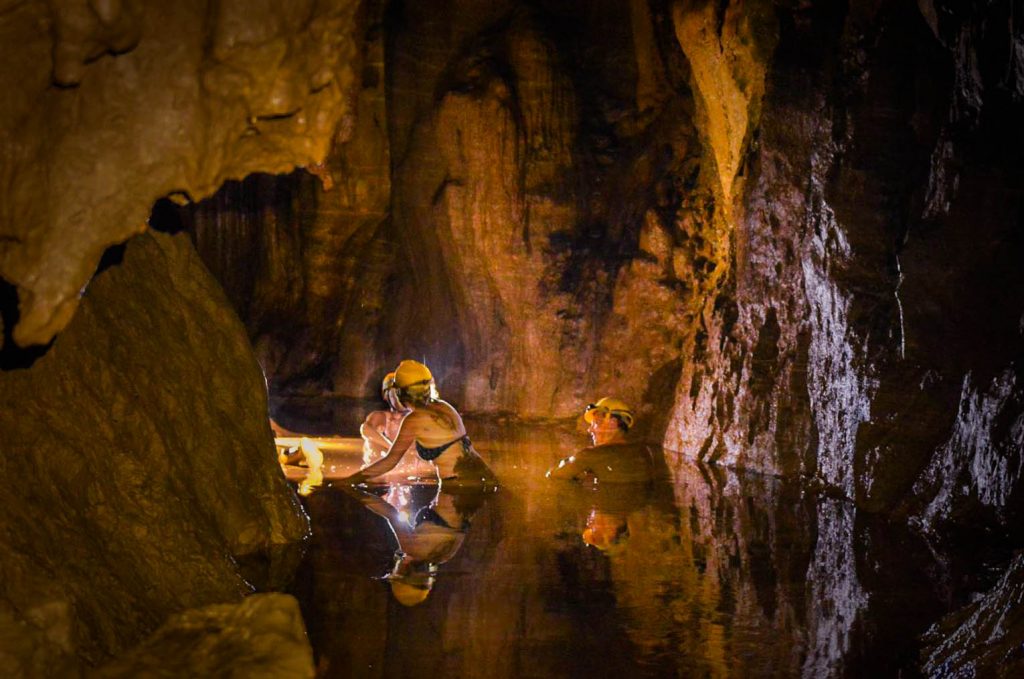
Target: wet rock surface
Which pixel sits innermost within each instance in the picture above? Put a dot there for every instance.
(859, 338)
(138, 466)
(113, 105)
(985, 638)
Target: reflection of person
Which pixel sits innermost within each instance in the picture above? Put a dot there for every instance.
(428, 534)
(611, 459)
(434, 430)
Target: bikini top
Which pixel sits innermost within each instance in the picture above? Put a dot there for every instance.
(430, 454)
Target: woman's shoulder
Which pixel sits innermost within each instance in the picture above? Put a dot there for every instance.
(376, 416)
(439, 404)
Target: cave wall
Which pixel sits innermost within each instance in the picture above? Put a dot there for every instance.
(305, 257)
(868, 332)
(138, 467)
(867, 336)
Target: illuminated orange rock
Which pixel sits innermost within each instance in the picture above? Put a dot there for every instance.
(113, 105)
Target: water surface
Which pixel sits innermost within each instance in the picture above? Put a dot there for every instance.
(706, 572)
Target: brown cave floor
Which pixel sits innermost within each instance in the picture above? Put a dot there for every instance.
(708, 572)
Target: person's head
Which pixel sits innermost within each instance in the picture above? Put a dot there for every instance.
(389, 392)
(414, 382)
(607, 420)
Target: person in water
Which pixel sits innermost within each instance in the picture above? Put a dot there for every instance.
(433, 430)
(611, 458)
(379, 428)
(379, 431)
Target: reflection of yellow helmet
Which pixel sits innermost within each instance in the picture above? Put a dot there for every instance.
(408, 595)
(607, 532)
(412, 373)
(611, 406)
(411, 581)
(388, 383)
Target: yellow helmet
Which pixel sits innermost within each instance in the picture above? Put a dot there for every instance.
(611, 406)
(388, 383)
(412, 374)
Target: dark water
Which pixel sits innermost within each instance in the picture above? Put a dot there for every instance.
(704, 573)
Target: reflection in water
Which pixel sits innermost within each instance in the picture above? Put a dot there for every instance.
(703, 572)
(429, 527)
(834, 585)
(303, 451)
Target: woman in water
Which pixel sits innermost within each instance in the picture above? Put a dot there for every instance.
(434, 431)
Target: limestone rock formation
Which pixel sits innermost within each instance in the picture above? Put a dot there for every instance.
(261, 637)
(728, 46)
(138, 467)
(112, 105)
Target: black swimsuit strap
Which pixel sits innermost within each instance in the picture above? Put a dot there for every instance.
(429, 515)
(430, 454)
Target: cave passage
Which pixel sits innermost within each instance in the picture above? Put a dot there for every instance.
(707, 572)
(788, 234)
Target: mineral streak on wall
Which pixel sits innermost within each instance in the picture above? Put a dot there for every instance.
(110, 106)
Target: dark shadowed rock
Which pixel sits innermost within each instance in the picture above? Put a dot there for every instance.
(138, 468)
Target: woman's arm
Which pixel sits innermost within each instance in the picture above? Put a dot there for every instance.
(403, 440)
(369, 431)
(568, 469)
(375, 504)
